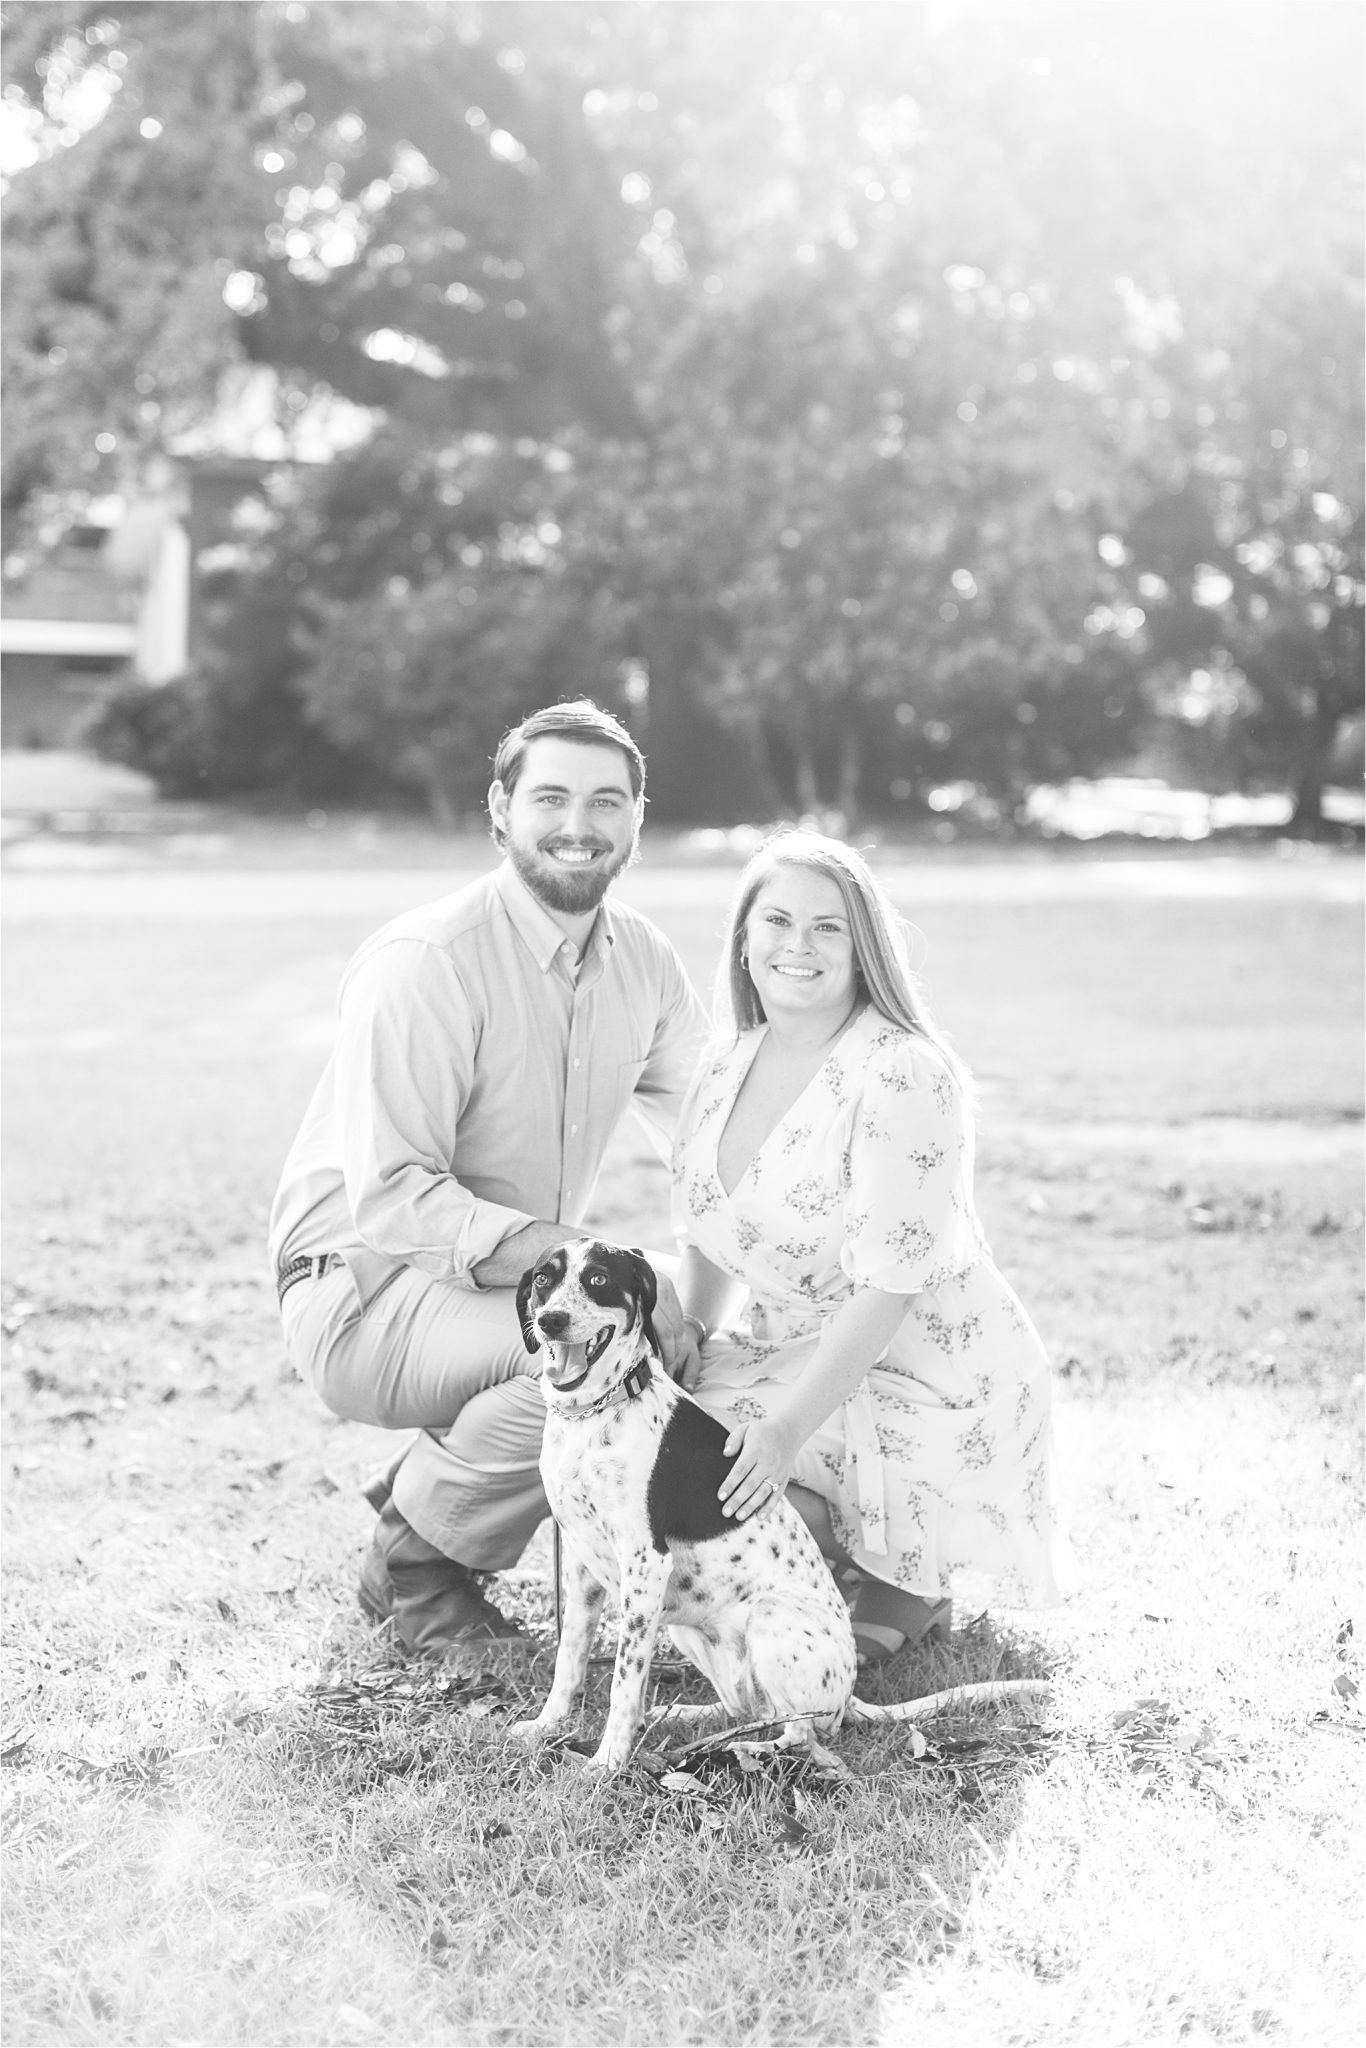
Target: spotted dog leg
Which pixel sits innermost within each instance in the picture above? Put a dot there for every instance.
(582, 1611)
(805, 1670)
(644, 1579)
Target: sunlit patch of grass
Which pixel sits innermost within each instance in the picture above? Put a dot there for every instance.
(1117, 1913)
(1186, 1865)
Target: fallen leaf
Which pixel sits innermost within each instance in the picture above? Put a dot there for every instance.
(683, 1781)
(12, 1747)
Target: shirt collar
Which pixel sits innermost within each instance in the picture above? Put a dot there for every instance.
(537, 928)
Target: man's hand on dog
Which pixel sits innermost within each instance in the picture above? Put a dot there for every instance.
(764, 1452)
(677, 1339)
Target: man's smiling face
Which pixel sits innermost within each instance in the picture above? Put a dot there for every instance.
(570, 822)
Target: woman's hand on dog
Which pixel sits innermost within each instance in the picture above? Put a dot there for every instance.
(764, 1452)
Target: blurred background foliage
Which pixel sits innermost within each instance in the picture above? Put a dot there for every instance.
(862, 398)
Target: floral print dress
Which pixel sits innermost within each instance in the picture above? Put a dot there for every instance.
(941, 1464)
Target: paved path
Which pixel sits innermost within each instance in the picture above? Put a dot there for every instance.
(373, 894)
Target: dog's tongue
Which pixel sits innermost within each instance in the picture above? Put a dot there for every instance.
(573, 1360)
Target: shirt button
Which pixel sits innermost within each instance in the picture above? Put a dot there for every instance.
(577, 1065)
(573, 1130)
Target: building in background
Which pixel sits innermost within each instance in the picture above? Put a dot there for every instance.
(117, 600)
(68, 630)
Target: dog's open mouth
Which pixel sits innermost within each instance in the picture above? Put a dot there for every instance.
(578, 1360)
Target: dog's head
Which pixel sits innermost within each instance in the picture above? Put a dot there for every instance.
(592, 1306)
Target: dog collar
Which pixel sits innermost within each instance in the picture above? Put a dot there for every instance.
(629, 1388)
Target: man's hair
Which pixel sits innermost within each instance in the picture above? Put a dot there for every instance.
(579, 720)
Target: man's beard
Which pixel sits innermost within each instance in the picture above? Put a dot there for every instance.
(571, 892)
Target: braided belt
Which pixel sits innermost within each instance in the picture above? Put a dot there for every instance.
(311, 1268)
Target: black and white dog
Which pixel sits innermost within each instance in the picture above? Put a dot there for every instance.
(631, 1468)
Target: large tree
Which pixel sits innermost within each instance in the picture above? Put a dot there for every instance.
(838, 372)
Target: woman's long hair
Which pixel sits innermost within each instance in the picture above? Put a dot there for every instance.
(884, 977)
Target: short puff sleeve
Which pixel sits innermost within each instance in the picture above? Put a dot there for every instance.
(909, 1220)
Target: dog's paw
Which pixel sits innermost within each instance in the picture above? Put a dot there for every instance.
(532, 1732)
(604, 1764)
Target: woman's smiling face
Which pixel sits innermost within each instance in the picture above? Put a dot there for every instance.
(801, 950)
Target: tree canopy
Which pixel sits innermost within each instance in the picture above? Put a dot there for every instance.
(906, 393)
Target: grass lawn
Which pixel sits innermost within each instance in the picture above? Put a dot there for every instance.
(232, 1816)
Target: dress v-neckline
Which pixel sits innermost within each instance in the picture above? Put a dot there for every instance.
(801, 1095)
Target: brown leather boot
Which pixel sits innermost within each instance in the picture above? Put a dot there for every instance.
(436, 1605)
(380, 1484)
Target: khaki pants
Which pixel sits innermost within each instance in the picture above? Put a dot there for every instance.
(429, 1356)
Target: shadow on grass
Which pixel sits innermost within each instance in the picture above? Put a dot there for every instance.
(377, 1716)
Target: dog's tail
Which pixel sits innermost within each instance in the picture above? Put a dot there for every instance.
(940, 1702)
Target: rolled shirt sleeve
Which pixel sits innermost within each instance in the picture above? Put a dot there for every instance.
(405, 1057)
(675, 1048)
(910, 1223)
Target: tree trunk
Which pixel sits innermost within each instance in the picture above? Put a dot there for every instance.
(1321, 731)
(1337, 694)
(439, 806)
(763, 798)
(804, 778)
(767, 801)
(848, 785)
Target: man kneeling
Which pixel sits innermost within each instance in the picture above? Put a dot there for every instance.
(487, 1046)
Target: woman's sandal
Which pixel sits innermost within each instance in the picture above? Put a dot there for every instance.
(885, 1621)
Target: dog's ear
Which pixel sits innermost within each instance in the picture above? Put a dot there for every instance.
(647, 1290)
(524, 1286)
